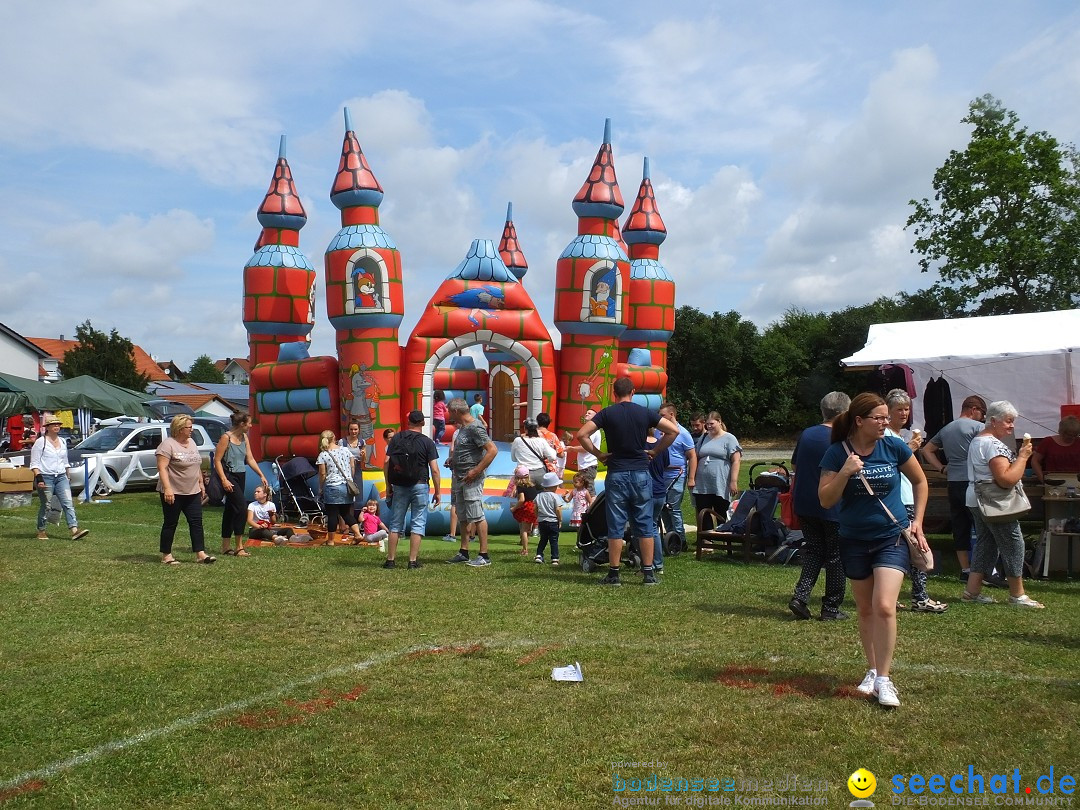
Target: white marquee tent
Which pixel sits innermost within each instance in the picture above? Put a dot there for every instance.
(1026, 359)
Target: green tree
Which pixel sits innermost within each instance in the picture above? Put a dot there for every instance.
(108, 357)
(710, 362)
(204, 370)
(1003, 230)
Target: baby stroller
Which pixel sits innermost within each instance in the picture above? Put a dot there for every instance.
(753, 524)
(299, 503)
(593, 536)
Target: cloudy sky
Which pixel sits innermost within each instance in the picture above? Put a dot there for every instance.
(785, 140)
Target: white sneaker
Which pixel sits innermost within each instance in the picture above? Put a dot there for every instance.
(1025, 601)
(382, 546)
(885, 692)
(867, 685)
(539, 560)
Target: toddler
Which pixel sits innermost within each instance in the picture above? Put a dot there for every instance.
(549, 517)
(579, 498)
(375, 531)
(525, 511)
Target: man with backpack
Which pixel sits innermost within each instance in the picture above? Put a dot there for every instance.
(410, 456)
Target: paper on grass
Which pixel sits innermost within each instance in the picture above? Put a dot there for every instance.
(567, 673)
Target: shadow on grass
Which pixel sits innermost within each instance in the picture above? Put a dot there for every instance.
(780, 683)
(139, 558)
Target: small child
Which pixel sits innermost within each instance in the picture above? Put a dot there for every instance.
(525, 511)
(549, 517)
(261, 516)
(375, 531)
(580, 498)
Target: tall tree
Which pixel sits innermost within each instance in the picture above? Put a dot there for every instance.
(1003, 230)
(108, 357)
(204, 370)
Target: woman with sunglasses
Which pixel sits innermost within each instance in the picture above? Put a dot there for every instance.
(874, 555)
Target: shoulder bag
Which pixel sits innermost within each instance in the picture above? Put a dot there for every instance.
(1000, 505)
(549, 465)
(350, 485)
(923, 560)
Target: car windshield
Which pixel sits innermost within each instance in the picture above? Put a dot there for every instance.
(104, 439)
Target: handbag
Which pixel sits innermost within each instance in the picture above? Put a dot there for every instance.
(923, 560)
(1000, 505)
(549, 465)
(350, 485)
(215, 490)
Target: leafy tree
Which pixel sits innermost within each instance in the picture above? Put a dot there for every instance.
(204, 370)
(108, 357)
(1003, 230)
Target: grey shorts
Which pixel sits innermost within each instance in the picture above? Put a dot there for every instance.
(468, 499)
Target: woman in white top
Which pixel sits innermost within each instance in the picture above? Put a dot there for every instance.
(532, 450)
(991, 459)
(335, 465)
(49, 463)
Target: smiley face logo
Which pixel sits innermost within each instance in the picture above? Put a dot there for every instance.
(861, 783)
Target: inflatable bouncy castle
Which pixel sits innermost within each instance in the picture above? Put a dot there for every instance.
(614, 309)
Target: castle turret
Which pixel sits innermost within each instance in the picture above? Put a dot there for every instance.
(279, 280)
(650, 317)
(591, 280)
(364, 300)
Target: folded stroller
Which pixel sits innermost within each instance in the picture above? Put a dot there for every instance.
(298, 503)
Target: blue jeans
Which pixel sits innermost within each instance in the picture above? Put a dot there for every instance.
(658, 502)
(674, 500)
(629, 500)
(549, 534)
(59, 486)
(405, 497)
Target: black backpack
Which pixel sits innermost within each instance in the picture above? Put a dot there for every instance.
(407, 459)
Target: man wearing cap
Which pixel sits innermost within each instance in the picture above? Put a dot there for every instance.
(49, 463)
(628, 488)
(473, 453)
(411, 456)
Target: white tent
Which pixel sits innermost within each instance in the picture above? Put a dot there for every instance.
(1026, 359)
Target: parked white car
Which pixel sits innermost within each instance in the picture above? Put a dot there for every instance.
(127, 446)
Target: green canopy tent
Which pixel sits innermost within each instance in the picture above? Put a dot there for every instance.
(18, 394)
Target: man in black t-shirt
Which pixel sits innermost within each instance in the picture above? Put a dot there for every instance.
(411, 457)
(628, 487)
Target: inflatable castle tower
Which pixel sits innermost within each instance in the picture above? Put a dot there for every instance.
(614, 309)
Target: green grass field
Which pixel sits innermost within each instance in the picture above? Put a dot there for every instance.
(313, 678)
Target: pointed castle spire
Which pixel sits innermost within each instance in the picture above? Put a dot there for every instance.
(281, 207)
(354, 184)
(599, 196)
(644, 225)
(510, 249)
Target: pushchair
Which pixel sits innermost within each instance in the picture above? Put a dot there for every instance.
(298, 502)
(592, 538)
(753, 524)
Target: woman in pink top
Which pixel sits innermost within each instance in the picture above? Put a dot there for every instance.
(180, 484)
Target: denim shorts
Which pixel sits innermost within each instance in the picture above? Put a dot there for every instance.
(861, 557)
(406, 498)
(628, 499)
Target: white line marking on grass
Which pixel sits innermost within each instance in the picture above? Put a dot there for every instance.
(55, 768)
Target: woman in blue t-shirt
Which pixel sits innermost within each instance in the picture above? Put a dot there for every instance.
(874, 556)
